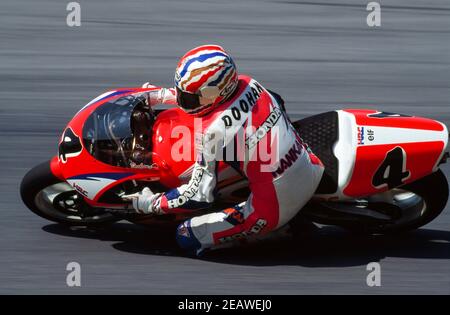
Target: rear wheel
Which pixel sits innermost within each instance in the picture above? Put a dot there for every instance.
(419, 202)
(55, 200)
(398, 210)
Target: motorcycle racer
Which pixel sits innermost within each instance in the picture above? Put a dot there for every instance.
(240, 116)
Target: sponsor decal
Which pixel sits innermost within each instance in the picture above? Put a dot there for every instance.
(80, 189)
(360, 135)
(228, 89)
(264, 128)
(289, 158)
(142, 165)
(244, 104)
(370, 135)
(90, 185)
(255, 229)
(190, 192)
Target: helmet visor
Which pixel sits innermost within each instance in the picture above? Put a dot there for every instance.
(188, 101)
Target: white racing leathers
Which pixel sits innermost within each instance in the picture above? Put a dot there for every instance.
(252, 134)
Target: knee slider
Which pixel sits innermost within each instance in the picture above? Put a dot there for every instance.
(186, 238)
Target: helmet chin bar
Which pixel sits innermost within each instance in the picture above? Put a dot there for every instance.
(209, 92)
(204, 97)
(205, 101)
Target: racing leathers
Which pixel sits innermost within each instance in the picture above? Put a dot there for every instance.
(251, 133)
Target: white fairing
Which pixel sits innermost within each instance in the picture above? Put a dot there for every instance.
(444, 135)
(345, 149)
(91, 186)
(104, 95)
(351, 136)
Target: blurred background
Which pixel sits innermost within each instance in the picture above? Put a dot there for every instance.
(319, 56)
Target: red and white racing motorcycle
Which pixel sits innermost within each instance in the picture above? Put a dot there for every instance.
(381, 169)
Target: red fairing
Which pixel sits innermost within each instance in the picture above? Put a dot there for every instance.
(55, 168)
(168, 132)
(71, 169)
(367, 117)
(392, 150)
(420, 160)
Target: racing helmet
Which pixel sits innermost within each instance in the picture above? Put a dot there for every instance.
(205, 77)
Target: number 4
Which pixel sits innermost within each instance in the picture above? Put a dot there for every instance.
(392, 172)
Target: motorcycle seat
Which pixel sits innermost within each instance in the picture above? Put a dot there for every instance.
(320, 132)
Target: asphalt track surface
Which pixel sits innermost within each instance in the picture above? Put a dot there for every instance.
(319, 55)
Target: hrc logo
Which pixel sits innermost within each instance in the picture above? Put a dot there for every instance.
(360, 135)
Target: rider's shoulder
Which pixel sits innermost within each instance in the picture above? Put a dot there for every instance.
(245, 79)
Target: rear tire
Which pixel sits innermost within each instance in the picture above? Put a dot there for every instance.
(40, 191)
(409, 207)
(433, 193)
(433, 189)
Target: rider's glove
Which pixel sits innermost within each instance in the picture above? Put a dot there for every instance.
(160, 95)
(147, 85)
(153, 97)
(143, 201)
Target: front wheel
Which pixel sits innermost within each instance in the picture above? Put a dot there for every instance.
(57, 201)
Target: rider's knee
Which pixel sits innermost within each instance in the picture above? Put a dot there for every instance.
(186, 238)
(285, 217)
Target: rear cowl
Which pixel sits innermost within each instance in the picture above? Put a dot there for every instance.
(391, 150)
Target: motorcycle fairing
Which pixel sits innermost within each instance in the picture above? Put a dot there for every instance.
(368, 147)
(356, 146)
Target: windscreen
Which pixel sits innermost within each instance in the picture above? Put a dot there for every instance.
(119, 132)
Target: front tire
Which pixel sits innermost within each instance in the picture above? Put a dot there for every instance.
(53, 199)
